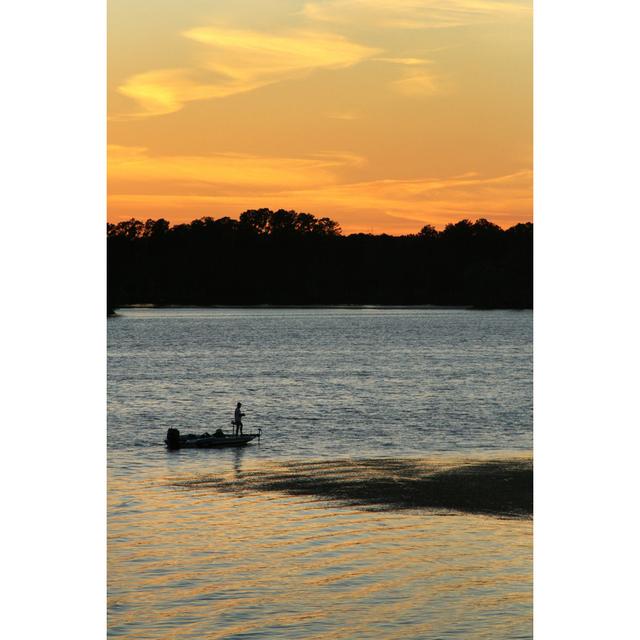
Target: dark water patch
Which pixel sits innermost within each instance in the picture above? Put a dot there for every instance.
(501, 487)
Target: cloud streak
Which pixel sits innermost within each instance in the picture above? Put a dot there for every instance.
(502, 198)
(233, 61)
(223, 172)
(409, 62)
(184, 187)
(417, 84)
(415, 14)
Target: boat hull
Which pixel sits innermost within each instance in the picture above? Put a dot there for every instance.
(206, 441)
(216, 442)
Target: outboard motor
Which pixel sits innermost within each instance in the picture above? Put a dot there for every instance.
(173, 439)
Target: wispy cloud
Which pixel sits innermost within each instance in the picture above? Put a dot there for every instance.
(468, 191)
(415, 14)
(224, 172)
(183, 187)
(167, 90)
(407, 62)
(233, 61)
(415, 79)
(417, 84)
(405, 205)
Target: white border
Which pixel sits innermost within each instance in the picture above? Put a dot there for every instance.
(585, 323)
(53, 118)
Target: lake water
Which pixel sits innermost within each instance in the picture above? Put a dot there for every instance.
(323, 384)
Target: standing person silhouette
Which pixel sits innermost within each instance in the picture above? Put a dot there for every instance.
(237, 418)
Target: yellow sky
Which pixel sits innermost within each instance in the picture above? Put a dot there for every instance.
(384, 115)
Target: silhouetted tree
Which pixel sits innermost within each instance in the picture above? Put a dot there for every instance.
(155, 228)
(286, 257)
(257, 220)
(428, 231)
(328, 227)
(128, 230)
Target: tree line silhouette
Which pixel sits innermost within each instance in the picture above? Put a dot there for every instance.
(289, 258)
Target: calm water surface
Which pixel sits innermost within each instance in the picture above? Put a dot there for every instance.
(322, 384)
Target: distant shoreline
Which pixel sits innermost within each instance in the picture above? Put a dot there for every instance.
(417, 307)
(291, 306)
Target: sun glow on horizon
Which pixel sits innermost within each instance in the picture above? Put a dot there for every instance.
(381, 115)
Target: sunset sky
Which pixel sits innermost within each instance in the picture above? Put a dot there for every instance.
(384, 115)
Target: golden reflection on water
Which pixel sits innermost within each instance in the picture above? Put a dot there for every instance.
(195, 562)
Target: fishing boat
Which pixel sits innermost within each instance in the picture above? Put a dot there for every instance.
(208, 441)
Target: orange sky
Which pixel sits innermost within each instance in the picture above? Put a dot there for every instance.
(384, 115)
